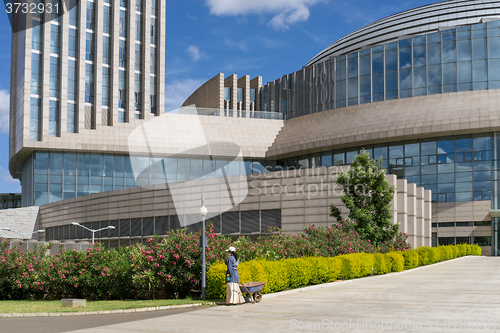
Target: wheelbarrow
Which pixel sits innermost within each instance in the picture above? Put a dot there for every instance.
(253, 289)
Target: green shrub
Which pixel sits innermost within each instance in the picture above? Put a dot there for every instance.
(397, 261)
(475, 250)
(299, 272)
(216, 274)
(411, 259)
(382, 264)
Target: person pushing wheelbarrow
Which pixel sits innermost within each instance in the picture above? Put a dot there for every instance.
(233, 292)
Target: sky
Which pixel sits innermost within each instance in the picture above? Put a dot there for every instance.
(269, 38)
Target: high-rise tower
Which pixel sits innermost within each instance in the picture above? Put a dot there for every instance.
(77, 80)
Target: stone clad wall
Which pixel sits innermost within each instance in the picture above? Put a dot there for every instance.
(395, 120)
(303, 196)
(23, 220)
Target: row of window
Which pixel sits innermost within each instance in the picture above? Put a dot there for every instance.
(461, 224)
(245, 222)
(481, 240)
(461, 59)
(63, 175)
(453, 168)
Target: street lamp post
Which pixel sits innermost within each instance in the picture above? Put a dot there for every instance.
(92, 230)
(203, 213)
(24, 235)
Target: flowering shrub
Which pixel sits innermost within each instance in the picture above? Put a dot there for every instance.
(174, 263)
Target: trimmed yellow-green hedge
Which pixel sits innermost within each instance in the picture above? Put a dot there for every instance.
(295, 273)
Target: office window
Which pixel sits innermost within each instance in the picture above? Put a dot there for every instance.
(55, 77)
(106, 50)
(138, 57)
(90, 15)
(107, 21)
(72, 118)
(138, 27)
(122, 54)
(123, 23)
(106, 86)
(72, 80)
(90, 46)
(54, 118)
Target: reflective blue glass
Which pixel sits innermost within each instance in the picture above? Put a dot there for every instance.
(352, 60)
(404, 57)
(479, 49)
(391, 60)
(170, 169)
(378, 62)
(482, 143)
(434, 54)
(419, 77)
(364, 65)
(326, 159)
(196, 169)
(449, 52)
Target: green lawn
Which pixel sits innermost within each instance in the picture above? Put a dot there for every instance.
(55, 306)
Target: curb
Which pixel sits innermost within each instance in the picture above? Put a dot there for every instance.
(319, 286)
(83, 313)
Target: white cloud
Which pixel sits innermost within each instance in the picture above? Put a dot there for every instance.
(195, 53)
(236, 45)
(177, 91)
(286, 12)
(4, 111)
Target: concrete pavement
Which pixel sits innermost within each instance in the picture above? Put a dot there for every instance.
(65, 323)
(461, 295)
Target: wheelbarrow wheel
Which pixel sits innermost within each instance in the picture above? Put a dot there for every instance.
(257, 297)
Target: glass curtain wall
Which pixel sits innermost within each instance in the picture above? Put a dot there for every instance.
(458, 59)
(60, 176)
(455, 169)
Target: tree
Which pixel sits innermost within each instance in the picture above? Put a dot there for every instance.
(367, 196)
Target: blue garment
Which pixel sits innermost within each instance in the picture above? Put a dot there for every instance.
(232, 269)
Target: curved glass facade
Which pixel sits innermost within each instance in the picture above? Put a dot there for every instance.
(458, 59)
(56, 176)
(455, 169)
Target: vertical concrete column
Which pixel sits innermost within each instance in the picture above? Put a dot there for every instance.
(131, 61)
(82, 32)
(146, 60)
(393, 181)
(412, 214)
(162, 25)
(427, 218)
(46, 77)
(232, 82)
(244, 82)
(99, 24)
(115, 42)
(221, 90)
(420, 216)
(256, 83)
(402, 194)
(20, 115)
(63, 100)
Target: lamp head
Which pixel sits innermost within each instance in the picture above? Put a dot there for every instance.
(111, 227)
(203, 211)
(8, 229)
(75, 223)
(40, 231)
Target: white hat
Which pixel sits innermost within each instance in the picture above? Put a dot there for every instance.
(231, 249)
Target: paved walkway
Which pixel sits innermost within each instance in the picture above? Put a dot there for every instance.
(462, 295)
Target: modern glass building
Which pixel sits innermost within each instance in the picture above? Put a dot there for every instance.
(446, 52)
(98, 67)
(418, 89)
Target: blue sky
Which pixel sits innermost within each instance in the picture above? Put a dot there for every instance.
(269, 38)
